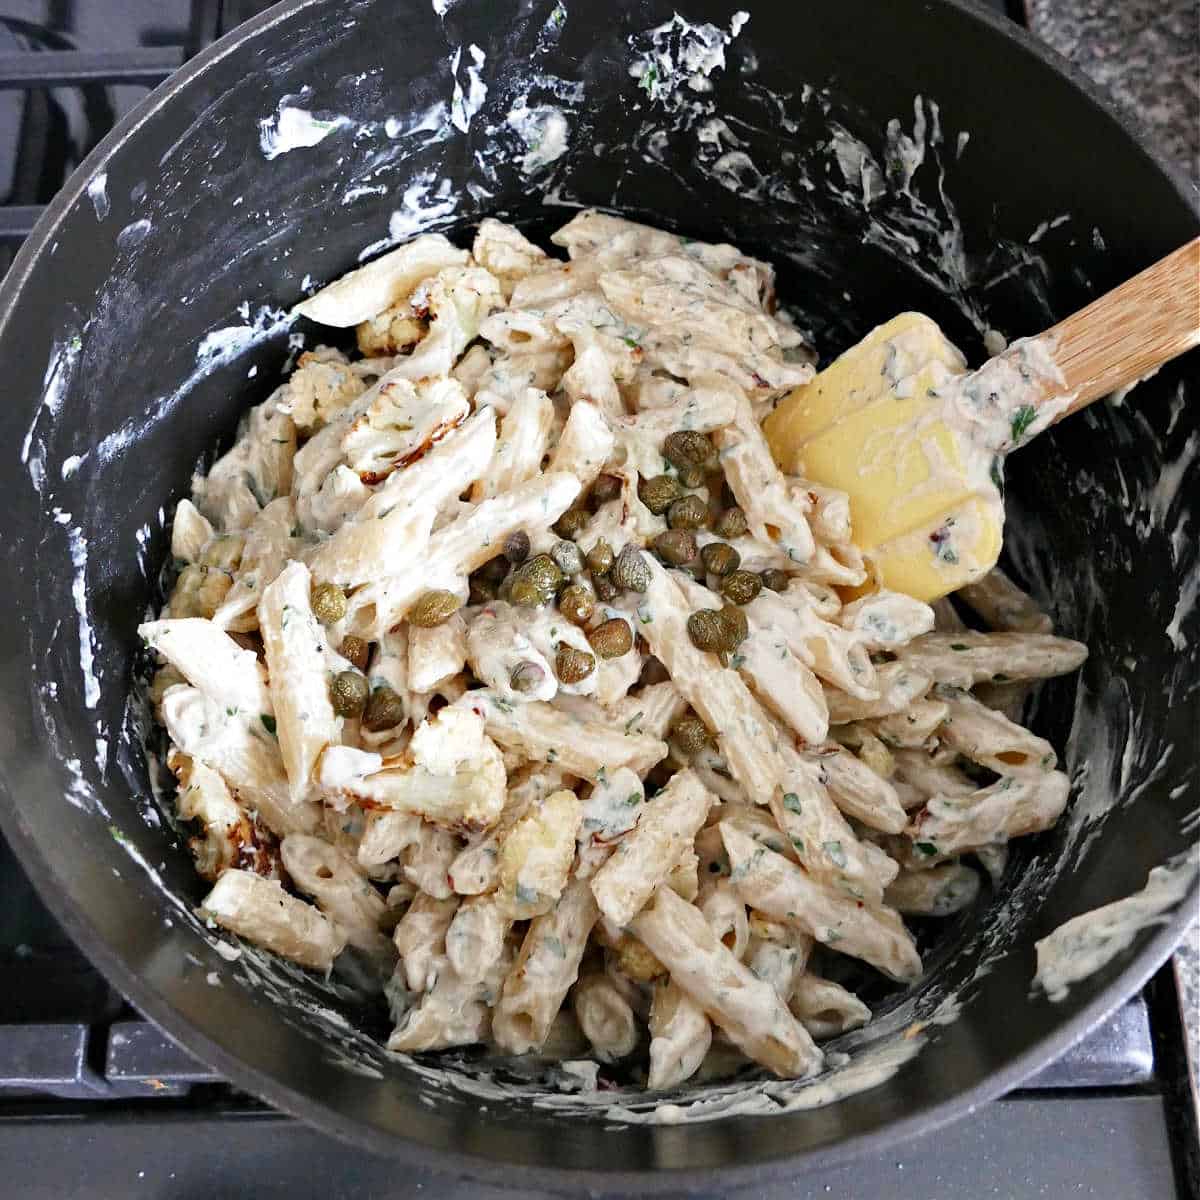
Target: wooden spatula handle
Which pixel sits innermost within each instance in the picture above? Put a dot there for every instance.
(1132, 330)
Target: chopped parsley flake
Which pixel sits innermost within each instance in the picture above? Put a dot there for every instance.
(268, 723)
(791, 802)
(926, 848)
(836, 854)
(1022, 419)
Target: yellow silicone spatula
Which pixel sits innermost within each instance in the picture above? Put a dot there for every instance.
(916, 440)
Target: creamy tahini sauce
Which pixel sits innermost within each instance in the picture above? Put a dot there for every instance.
(1086, 943)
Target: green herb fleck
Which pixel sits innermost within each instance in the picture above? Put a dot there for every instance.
(958, 646)
(791, 802)
(1022, 419)
(926, 848)
(633, 799)
(268, 723)
(836, 854)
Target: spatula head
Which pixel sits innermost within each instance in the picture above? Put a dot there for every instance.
(924, 504)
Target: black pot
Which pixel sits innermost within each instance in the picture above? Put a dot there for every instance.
(118, 286)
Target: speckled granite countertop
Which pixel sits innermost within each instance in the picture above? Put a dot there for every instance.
(1146, 54)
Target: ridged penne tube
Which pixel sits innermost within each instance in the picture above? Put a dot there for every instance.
(859, 792)
(368, 290)
(644, 857)
(453, 1012)
(546, 734)
(930, 777)
(725, 912)
(475, 937)
(420, 938)
(680, 1036)
(651, 711)
(605, 1017)
(262, 912)
(546, 967)
(776, 507)
(213, 662)
(585, 445)
(341, 891)
(774, 885)
(190, 532)
(938, 892)
(1003, 605)
(746, 1008)
(779, 959)
(1011, 807)
(830, 651)
(913, 727)
(267, 548)
(745, 734)
(296, 651)
(900, 686)
(460, 548)
(992, 740)
(780, 681)
(244, 753)
(967, 658)
(825, 1008)
(521, 446)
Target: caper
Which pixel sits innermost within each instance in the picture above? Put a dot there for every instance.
(691, 477)
(736, 627)
(543, 574)
(571, 523)
(434, 608)
(720, 559)
(328, 603)
(707, 630)
(576, 604)
(688, 512)
(690, 734)
(355, 650)
(525, 594)
(731, 523)
(349, 692)
(606, 488)
(605, 588)
(630, 572)
(567, 557)
(516, 547)
(659, 492)
(571, 665)
(775, 580)
(600, 557)
(385, 710)
(741, 587)
(526, 677)
(687, 448)
(612, 639)
(675, 546)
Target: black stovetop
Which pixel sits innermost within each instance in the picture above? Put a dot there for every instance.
(96, 1102)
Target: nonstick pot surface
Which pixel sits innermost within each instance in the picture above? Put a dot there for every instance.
(883, 157)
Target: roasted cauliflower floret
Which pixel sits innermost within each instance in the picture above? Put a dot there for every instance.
(321, 386)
